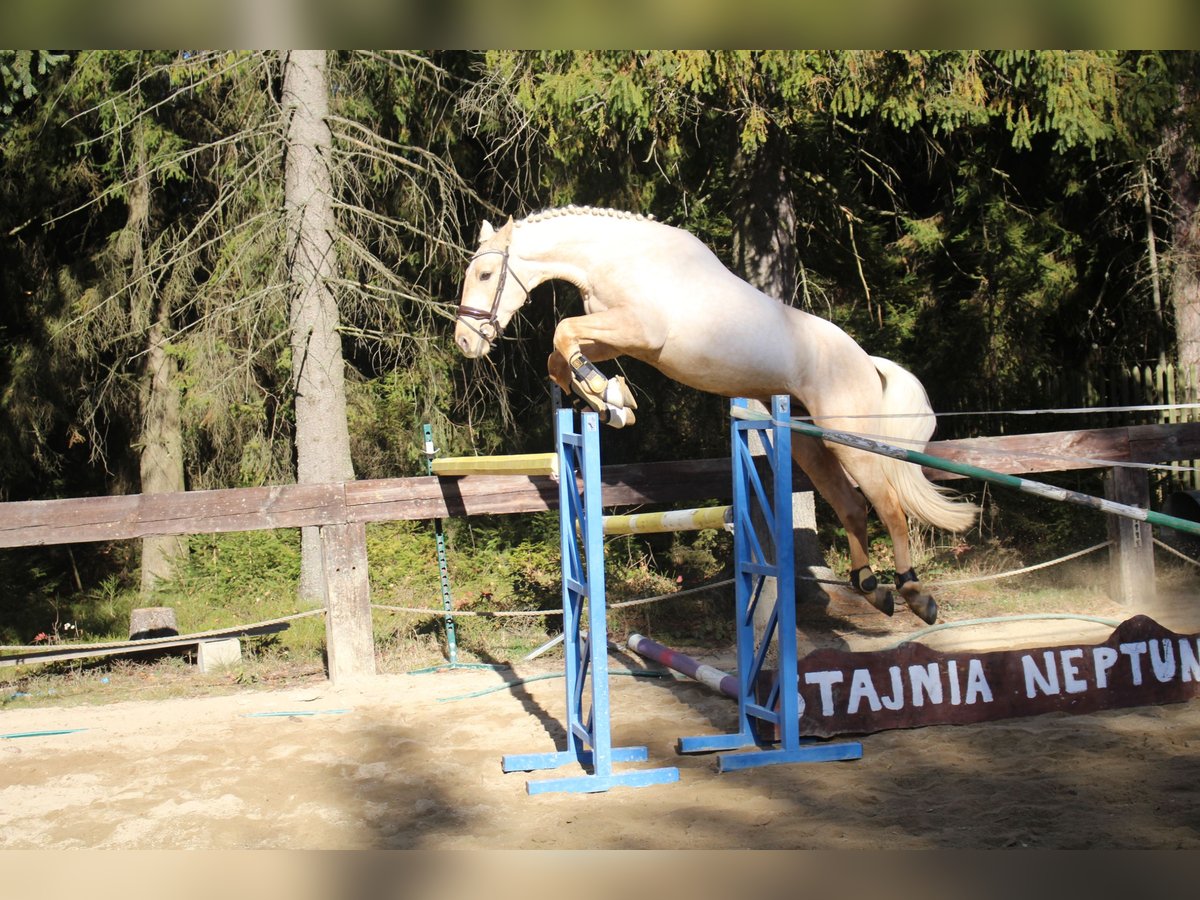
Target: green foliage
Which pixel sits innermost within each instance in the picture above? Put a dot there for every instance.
(20, 71)
(976, 215)
(66, 593)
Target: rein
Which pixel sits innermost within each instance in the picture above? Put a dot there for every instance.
(489, 319)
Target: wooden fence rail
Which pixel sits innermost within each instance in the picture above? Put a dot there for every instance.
(342, 510)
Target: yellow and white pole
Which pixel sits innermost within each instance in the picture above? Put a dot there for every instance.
(673, 520)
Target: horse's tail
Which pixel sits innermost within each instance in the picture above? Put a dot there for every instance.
(910, 425)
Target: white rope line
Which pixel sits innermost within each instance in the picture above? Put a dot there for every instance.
(1026, 569)
(149, 642)
(1066, 411)
(720, 584)
(702, 587)
(984, 450)
(498, 614)
(1171, 549)
(511, 613)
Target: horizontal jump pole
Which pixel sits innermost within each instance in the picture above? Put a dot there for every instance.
(672, 520)
(1025, 485)
(710, 677)
(513, 464)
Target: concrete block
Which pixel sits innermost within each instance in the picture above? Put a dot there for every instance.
(221, 652)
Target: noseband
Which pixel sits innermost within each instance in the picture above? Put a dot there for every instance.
(490, 328)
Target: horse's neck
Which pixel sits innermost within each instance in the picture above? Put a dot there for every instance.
(576, 248)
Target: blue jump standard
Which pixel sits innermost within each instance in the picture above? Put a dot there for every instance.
(589, 728)
(780, 713)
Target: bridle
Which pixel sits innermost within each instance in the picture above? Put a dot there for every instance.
(490, 328)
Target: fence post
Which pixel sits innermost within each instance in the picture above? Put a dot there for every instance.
(1131, 553)
(349, 640)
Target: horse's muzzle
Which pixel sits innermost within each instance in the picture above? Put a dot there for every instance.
(472, 344)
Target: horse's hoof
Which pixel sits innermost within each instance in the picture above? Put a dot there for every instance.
(881, 598)
(617, 393)
(619, 417)
(924, 606)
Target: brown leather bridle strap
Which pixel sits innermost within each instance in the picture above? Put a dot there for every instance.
(488, 317)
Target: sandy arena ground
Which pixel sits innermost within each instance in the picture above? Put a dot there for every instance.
(384, 764)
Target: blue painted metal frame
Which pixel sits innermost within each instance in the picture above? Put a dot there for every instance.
(589, 725)
(780, 712)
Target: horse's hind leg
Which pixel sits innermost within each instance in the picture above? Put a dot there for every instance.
(831, 482)
(887, 506)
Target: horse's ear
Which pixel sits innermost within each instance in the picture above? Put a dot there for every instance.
(486, 231)
(508, 228)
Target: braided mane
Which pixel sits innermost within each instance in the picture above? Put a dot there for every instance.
(573, 210)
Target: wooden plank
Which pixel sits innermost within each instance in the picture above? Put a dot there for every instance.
(1131, 551)
(349, 641)
(1019, 454)
(1164, 443)
(36, 522)
(59, 652)
(634, 484)
(431, 497)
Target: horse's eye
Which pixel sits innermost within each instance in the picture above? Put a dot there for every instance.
(484, 276)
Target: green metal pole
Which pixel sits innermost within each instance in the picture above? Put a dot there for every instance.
(443, 569)
(1038, 488)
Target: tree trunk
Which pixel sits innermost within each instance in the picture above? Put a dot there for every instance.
(161, 458)
(764, 240)
(764, 223)
(160, 444)
(1185, 251)
(318, 369)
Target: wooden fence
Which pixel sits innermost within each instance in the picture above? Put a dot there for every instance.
(341, 511)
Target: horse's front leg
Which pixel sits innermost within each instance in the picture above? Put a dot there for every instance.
(604, 335)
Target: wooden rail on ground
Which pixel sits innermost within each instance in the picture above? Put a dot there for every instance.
(343, 510)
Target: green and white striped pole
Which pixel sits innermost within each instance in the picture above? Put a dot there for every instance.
(1037, 488)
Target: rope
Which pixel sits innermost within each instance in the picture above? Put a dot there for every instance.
(149, 642)
(728, 581)
(992, 620)
(550, 612)
(483, 614)
(1067, 411)
(702, 587)
(1033, 568)
(1171, 549)
(633, 673)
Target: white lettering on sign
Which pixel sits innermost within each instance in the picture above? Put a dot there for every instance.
(915, 686)
(896, 701)
(1036, 679)
(1189, 660)
(1070, 671)
(1104, 659)
(1060, 670)
(1072, 678)
(862, 688)
(1134, 652)
(826, 681)
(926, 681)
(1162, 660)
(977, 685)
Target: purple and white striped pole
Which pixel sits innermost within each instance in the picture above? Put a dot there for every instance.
(707, 675)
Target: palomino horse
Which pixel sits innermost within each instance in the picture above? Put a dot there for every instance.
(658, 294)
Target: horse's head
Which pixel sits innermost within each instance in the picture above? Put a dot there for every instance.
(492, 293)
